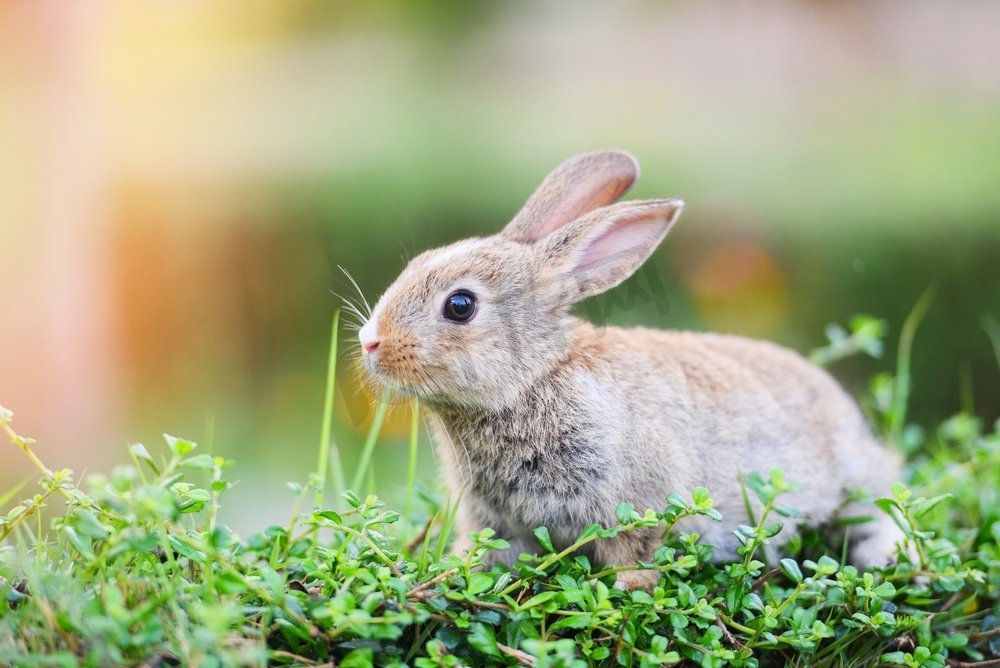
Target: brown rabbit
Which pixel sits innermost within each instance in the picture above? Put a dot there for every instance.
(543, 419)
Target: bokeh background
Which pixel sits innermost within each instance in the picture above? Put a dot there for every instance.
(180, 180)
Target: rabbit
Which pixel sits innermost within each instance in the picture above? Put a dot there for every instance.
(544, 419)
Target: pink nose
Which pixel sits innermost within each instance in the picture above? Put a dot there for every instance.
(370, 347)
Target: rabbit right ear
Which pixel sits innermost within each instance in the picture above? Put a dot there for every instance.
(581, 184)
(600, 250)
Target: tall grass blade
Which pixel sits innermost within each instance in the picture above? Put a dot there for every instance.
(411, 477)
(992, 328)
(325, 442)
(369, 447)
(901, 394)
(447, 522)
(13, 491)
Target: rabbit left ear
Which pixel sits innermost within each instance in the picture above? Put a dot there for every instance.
(600, 250)
(577, 186)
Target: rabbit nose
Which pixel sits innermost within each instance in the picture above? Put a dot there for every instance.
(368, 336)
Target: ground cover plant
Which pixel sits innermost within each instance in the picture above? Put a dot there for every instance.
(134, 568)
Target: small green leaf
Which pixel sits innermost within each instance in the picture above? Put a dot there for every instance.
(193, 500)
(589, 531)
(479, 582)
(677, 501)
(203, 462)
(887, 504)
(624, 512)
(15, 513)
(786, 511)
(358, 658)
(179, 446)
(88, 524)
(756, 483)
(790, 568)
(581, 621)
(537, 599)
(497, 544)
(140, 452)
(773, 529)
(955, 640)
(229, 583)
(484, 640)
(921, 507)
(83, 544)
(900, 492)
(826, 566)
(542, 534)
(885, 590)
(329, 515)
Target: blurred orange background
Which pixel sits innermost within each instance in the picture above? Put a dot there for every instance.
(180, 180)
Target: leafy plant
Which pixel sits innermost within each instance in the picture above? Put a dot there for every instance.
(134, 568)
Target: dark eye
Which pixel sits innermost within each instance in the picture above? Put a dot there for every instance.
(460, 306)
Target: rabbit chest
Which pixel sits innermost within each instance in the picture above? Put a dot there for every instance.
(539, 464)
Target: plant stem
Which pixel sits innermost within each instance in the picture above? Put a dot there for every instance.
(569, 550)
(375, 548)
(24, 445)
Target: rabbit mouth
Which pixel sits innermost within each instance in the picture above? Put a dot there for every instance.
(421, 383)
(407, 379)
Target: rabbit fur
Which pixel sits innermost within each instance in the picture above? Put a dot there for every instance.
(543, 419)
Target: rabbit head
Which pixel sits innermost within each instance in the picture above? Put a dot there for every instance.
(476, 322)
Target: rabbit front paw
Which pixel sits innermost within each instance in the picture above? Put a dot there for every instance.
(645, 580)
(878, 545)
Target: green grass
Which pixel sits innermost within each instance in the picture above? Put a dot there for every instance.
(133, 568)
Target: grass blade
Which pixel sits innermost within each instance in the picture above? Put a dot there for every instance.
(992, 328)
(901, 394)
(325, 442)
(13, 491)
(373, 432)
(411, 477)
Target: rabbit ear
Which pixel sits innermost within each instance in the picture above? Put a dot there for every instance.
(577, 186)
(597, 252)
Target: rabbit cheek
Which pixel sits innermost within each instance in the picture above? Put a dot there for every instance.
(397, 359)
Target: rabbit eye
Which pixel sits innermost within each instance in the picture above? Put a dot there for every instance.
(460, 306)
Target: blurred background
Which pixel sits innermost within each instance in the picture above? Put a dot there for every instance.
(179, 181)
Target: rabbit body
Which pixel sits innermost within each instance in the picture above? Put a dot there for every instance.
(542, 419)
(651, 412)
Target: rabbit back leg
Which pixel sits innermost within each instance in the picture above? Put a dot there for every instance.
(627, 549)
(877, 542)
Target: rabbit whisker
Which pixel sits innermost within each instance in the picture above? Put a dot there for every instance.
(360, 293)
(351, 308)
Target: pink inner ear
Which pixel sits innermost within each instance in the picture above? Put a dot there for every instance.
(621, 238)
(590, 197)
